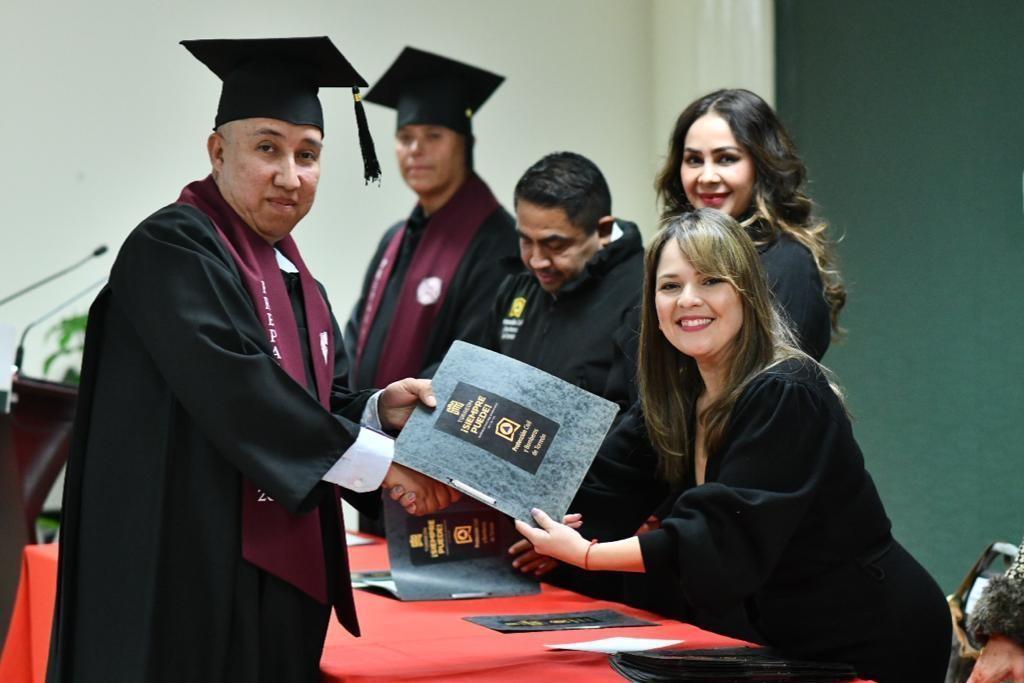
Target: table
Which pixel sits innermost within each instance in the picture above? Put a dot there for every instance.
(28, 638)
(401, 641)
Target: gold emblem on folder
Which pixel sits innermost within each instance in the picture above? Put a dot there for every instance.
(463, 534)
(506, 429)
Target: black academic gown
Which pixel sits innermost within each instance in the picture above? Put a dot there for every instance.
(568, 334)
(789, 523)
(492, 255)
(180, 397)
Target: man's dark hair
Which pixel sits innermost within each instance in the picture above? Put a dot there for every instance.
(570, 182)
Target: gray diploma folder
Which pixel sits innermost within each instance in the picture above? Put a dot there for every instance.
(505, 433)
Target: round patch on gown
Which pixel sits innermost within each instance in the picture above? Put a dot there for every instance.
(429, 290)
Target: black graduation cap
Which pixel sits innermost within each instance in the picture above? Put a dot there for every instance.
(279, 78)
(430, 89)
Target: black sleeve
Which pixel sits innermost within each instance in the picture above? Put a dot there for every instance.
(487, 333)
(799, 295)
(196, 320)
(622, 486)
(479, 303)
(723, 539)
(488, 270)
(620, 385)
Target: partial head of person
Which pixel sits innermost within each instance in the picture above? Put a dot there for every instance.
(268, 135)
(563, 217)
(707, 322)
(435, 99)
(729, 151)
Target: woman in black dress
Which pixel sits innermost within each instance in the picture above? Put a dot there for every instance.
(777, 512)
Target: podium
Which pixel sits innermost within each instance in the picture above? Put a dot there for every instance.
(34, 441)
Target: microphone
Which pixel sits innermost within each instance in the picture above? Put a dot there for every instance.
(98, 251)
(19, 355)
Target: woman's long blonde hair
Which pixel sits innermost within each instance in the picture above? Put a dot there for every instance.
(779, 204)
(669, 381)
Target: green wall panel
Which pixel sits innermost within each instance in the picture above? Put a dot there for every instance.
(910, 116)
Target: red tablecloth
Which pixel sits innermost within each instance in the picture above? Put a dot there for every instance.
(401, 641)
(28, 638)
(432, 641)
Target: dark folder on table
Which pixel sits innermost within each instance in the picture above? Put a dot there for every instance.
(564, 621)
(460, 552)
(505, 433)
(724, 664)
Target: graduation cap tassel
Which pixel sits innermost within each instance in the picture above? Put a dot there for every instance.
(371, 167)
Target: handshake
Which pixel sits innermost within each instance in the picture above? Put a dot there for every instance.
(417, 493)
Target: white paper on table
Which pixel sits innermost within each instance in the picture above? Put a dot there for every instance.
(352, 539)
(612, 645)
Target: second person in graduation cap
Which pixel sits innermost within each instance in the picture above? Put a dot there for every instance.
(434, 274)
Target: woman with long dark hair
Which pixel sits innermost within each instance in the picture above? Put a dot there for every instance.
(777, 512)
(729, 151)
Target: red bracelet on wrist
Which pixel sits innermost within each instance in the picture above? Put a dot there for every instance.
(586, 555)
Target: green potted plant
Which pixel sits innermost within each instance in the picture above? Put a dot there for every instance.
(70, 334)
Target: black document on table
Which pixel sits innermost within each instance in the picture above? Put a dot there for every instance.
(460, 552)
(565, 621)
(505, 433)
(725, 664)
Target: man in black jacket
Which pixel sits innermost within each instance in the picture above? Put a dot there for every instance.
(584, 273)
(584, 276)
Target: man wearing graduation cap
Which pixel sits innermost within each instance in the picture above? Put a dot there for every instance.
(435, 274)
(202, 536)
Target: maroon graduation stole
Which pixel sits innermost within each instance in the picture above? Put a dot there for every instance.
(286, 545)
(445, 241)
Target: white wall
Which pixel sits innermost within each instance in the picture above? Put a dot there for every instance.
(699, 46)
(105, 116)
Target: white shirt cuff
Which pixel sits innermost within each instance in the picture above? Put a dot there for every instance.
(366, 462)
